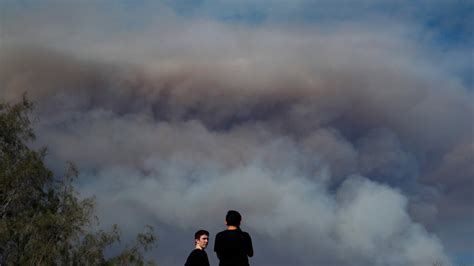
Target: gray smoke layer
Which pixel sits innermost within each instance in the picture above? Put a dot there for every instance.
(348, 147)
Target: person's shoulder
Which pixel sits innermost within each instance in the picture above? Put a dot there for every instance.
(194, 252)
(198, 252)
(221, 233)
(201, 252)
(246, 234)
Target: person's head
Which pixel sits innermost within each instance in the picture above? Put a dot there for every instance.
(201, 239)
(233, 218)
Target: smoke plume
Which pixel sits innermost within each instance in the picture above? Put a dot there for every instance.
(345, 145)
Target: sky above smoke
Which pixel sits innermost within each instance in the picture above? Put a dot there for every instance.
(342, 132)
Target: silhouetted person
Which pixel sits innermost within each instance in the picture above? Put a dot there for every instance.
(198, 256)
(233, 246)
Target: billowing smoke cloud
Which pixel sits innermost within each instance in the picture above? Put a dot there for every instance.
(347, 147)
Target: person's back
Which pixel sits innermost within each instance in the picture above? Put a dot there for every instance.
(197, 257)
(233, 246)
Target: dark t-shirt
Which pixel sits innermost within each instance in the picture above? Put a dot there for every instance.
(197, 257)
(233, 247)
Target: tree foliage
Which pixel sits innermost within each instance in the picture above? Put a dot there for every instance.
(43, 221)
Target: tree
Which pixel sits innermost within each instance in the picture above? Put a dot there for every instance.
(43, 222)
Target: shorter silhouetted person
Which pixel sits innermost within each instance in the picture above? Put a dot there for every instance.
(233, 246)
(198, 257)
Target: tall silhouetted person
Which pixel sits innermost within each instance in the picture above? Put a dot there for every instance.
(198, 256)
(233, 246)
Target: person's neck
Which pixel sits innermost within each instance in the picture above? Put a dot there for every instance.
(198, 247)
(232, 227)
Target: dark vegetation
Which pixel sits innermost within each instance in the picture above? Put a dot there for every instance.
(43, 220)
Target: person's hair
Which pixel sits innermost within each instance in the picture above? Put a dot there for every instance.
(200, 233)
(233, 218)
